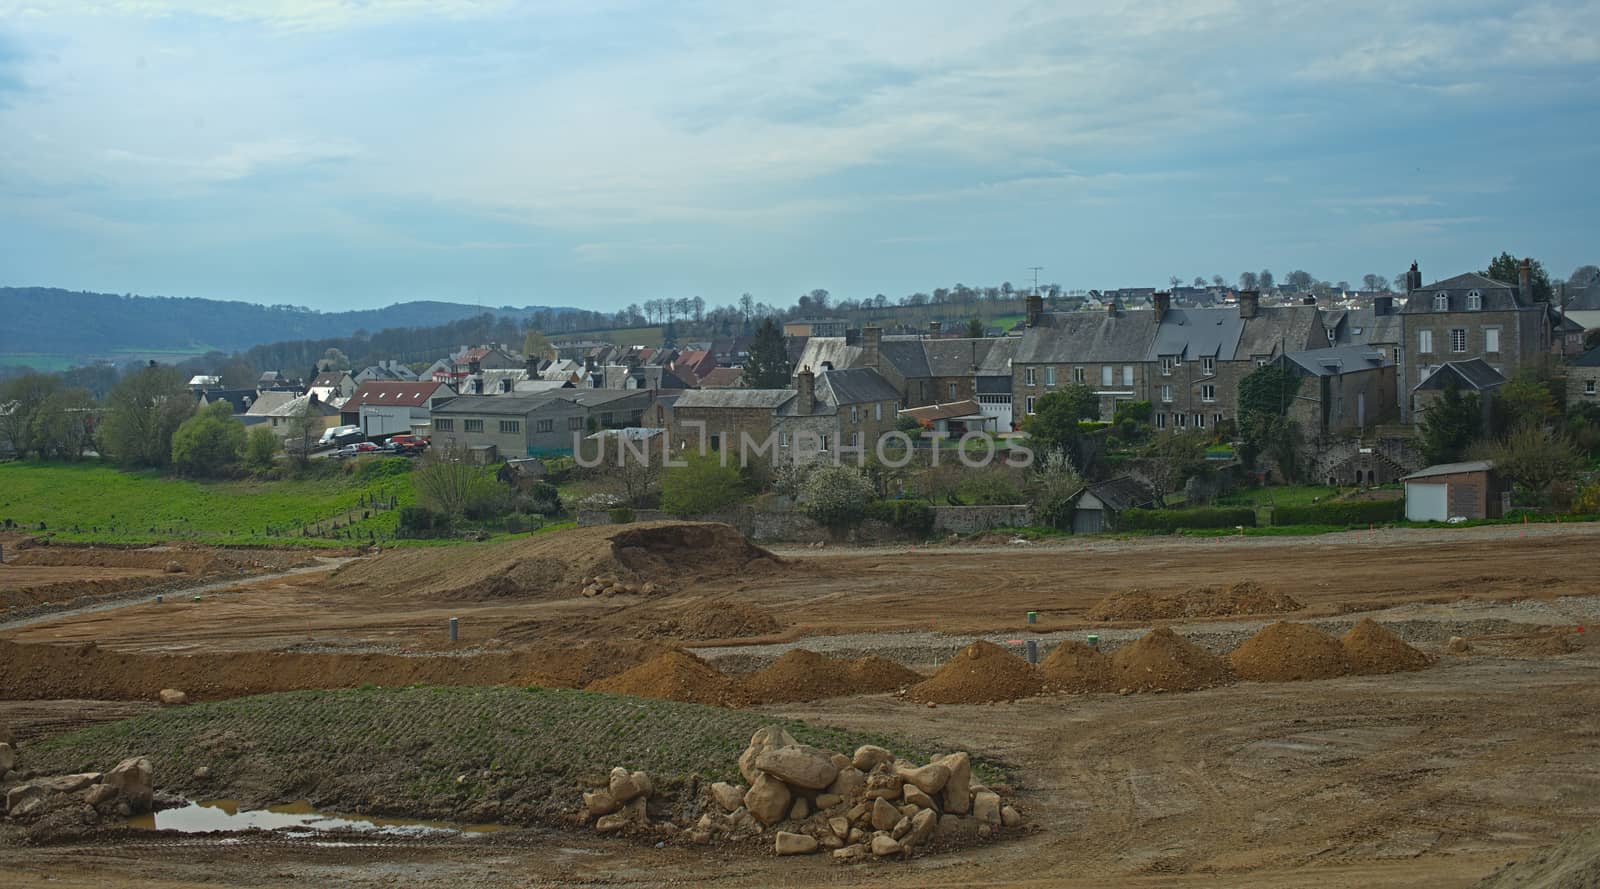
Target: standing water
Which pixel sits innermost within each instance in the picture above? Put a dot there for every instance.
(296, 817)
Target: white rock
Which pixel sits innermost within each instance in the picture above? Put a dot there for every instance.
(728, 796)
(884, 845)
(795, 843)
(986, 807)
(869, 756)
(799, 765)
(958, 789)
(767, 799)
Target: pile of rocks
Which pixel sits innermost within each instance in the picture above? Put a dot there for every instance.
(871, 804)
(123, 791)
(612, 585)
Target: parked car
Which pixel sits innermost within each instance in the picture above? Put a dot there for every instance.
(341, 435)
(401, 448)
(356, 450)
(410, 440)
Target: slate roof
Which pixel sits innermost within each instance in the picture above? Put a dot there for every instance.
(768, 399)
(997, 363)
(1340, 359)
(1473, 373)
(949, 411)
(293, 406)
(268, 401)
(1066, 337)
(858, 386)
(240, 399)
(513, 404)
(825, 351)
(1118, 494)
(1277, 329)
(957, 357)
(722, 378)
(1590, 358)
(328, 378)
(906, 355)
(1451, 469)
(1497, 295)
(1195, 333)
(1365, 326)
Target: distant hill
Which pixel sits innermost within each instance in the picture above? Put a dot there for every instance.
(72, 325)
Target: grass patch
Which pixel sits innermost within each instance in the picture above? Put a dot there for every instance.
(404, 751)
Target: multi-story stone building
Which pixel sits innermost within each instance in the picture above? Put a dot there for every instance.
(830, 412)
(1186, 362)
(1471, 316)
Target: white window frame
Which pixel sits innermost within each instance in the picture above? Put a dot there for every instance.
(1166, 393)
(1208, 393)
(1458, 340)
(1166, 365)
(1180, 421)
(952, 391)
(1028, 377)
(855, 414)
(1441, 302)
(1049, 376)
(1588, 387)
(1491, 340)
(1474, 300)
(1079, 376)
(877, 411)
(1161, 420)
(1208, 365)
(1127, 375)
(1425, 342)
(822, 443)
(1216, 419)
(1199, 421)
(1108, 376)
(1029, 404)
(783, 439)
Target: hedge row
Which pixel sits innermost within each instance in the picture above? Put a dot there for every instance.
(1173, 519)
(911, 516)
(1350, 512)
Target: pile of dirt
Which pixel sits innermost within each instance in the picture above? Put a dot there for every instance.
(674, 676)
(1373, 649)
(715, 620)
(799, 675)
(1245, 597)
(1164, 661)
(1557, 643)
(1287, 652)
(1574, 863)
(192, 559)
(671, 555)
(873, 675)
(981, 672)
(1077, 668)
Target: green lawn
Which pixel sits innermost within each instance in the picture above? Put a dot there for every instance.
(1279, 495)
(92, 502)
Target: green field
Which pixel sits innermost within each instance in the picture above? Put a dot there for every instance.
(92, 502)
(465, 754)
(624, 336)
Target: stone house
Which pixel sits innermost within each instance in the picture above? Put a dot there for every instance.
(1344, 390)
(831, 412)
(1186, 362)
(1471, 375)
(1583, 378)
(1471, 316)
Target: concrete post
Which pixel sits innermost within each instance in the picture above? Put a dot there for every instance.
(455, 628)
(1033, 651)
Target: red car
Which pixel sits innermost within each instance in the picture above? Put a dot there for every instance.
(408, 440)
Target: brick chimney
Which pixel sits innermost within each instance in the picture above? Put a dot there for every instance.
(1413, 278)
(1161, 301)
(1249, 303)
(806, 382)
(871, 343)
(1525, 281)
(1035, 304)
(933, 328)
(1113, 308)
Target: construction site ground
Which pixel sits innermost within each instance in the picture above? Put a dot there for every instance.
(1429, 778)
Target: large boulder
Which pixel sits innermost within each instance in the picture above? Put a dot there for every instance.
(729, 796)
(768, 799)
(849, 783)
(958, 788)
(930, 779)
(884, 815)
(133, 780)
(99, 794)
(923, 825)
(870, 756)
(799, 765)
(69, 783)
(625, 787)
(914, 796)
(172, 697)
(986, 807)
(24, 800)
(600, 802)
(795, 843)
(883, 844)
(763, 740)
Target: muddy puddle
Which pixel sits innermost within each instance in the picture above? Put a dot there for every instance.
(295, 818)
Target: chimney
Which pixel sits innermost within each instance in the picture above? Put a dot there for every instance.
(806, 381)
(1413, 278)
(1309, 299)
(1383, 305)
(1249, 303)
(933, 328)
(314, 399)
(1113, 308)
(1525, 281)
(1161, 301)
(871, 341)
(1035, 304)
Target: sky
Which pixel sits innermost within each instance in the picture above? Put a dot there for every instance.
(346, 154)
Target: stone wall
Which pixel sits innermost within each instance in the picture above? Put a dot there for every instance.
(972, 519)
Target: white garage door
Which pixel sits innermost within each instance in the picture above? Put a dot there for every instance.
(1427, 503)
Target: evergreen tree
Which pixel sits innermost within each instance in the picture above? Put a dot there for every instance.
(768, 364)
(1450, 425)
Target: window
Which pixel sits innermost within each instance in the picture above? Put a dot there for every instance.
(1166, 365)
(1049, 376)
(1027, 376)
(544, 426)
(511, 426)
(877, 411)
(443, 424)
(1458, 339)
(855, 439)
(1031, 399)
(952, 391)
(822, 443)
(1180, 420)
(1216, 419)
(1199, 421)
(473, 426)
(1208, 393)
(1166, 394)
(1441, 302)
(855, 412)
(1425, 342)
(783, 439)
(1261, 360)
(574, 424)
(1588, 387)
(1161, 421)
(1078, 376)
(1107, 375)
(1208, 365)
(1127, 375)
(1474, 300)
(1491, 339)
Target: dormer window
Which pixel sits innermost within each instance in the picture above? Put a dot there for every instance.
(1474, 300)
(1441, 302)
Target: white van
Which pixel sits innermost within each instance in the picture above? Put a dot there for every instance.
(339, 435)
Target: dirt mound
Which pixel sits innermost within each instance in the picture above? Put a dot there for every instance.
(1373, 649)
(715, 620)
(799, 675)
(1245, 597)
(1557, 643)
(1574, 863)
(674, 676)
(1286, 652)
(672, 555)
(1163, 660)
(193, 559)
(872, 675)
(981, 672)
(1077, 667)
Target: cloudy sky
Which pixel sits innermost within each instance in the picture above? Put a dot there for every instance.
(353, 153)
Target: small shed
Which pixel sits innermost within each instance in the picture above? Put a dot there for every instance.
(1456, 491)
(1099, 504)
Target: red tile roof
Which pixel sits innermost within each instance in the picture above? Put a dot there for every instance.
(384, 392)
